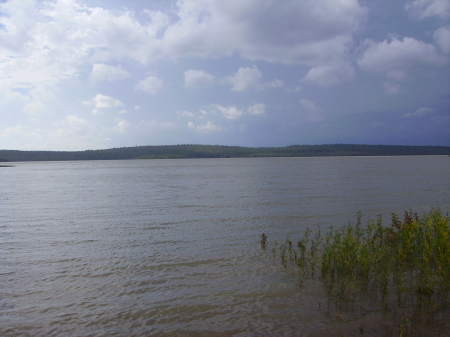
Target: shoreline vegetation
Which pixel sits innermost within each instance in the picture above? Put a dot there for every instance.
(402, 270)
(221, 151)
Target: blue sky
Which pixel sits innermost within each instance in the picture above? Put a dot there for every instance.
(95, 74)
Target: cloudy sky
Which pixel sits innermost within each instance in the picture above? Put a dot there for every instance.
(93, 74)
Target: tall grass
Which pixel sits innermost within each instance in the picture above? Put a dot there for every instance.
(402, 267)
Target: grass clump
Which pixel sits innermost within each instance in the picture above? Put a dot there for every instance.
(404, 266)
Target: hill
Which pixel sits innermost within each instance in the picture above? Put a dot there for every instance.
(218, 151)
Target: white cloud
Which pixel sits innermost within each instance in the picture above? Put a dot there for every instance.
(197, 78)
(48, 42)
(185, 113)
(16, 131)
(32, 53)
(35, 108)
(313, 112)
(424, 111)
(151, 84)
(308, 32)
(103, 72)
(158, 20)
(204, 128)
(155, 125)
(274, 84)
(423, 9)
(18, 23)
(391, 88)
(75, 121)
(329, 75)
(121, 112)
(245, 79)
(73, 126)
(398, 57)
(122, 126)
(41, 98)
(56, 39)
(104, 102)
(257, 109)
(75, 133)
(396, 75)
(230, 112)
(442, 38)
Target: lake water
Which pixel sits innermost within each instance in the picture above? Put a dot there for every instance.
(171, 247)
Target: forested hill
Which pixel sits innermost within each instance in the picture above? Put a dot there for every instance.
(217, 151)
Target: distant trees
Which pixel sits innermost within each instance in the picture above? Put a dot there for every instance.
(221, 151)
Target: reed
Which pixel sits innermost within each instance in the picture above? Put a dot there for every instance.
(402, 268)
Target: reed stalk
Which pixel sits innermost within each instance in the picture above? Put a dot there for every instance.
(404, 267)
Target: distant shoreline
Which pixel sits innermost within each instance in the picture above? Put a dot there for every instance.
(221, 151)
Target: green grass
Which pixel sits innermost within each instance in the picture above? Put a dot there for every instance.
(402, 268)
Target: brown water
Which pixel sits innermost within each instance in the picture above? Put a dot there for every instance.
(171, 247)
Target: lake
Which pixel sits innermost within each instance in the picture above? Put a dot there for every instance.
(171, 247)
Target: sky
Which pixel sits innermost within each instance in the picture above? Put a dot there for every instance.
(97, 74)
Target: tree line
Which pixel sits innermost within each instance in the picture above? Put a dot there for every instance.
(221, 151)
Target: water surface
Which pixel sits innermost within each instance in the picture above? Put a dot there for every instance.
(171, 247)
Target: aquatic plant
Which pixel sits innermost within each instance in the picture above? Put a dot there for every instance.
(404, 267)
(263, 240)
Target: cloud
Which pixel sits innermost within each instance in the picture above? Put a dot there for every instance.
(121, 112)
(41, 98)
(18, 130)
(257, 109)
(424, 111)
(392, 88)
(122, 126)
(49, 42)
(305, 32)
(245, 79)
(330, 75)
(204, 128)
(104, 102)
(72, 125)
(35, 108)
(442, 39)
(157, 126)
(75, 133)
(17, 24)
(185, 113)
(151, 84)
(313, 112)
(230, 112)
(102, 72)
(197, 78)
(274, 84)
(422, 9)
(398, 57)
(31, 51)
